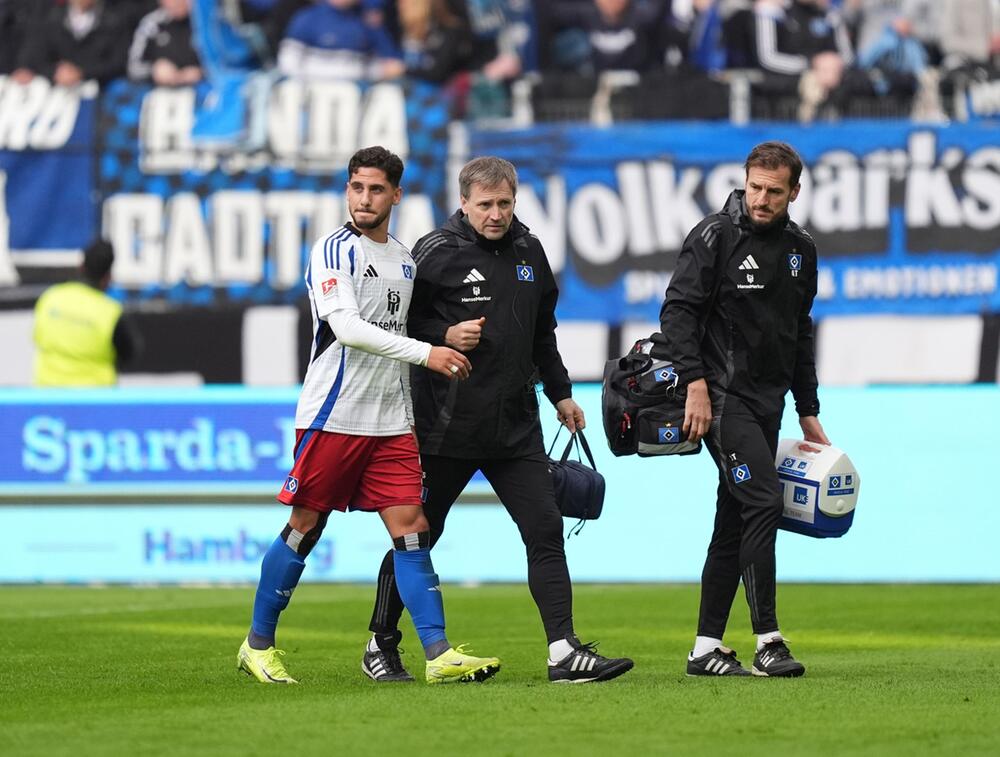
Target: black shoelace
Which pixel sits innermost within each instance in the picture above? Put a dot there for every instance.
(588, 650)
(778, 650)
(393, 659)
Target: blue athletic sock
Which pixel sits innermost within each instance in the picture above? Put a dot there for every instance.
(279, 575)
(420, 591)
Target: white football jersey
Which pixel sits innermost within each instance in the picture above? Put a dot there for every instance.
(348, 390)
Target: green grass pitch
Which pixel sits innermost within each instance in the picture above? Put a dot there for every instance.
(892, 670)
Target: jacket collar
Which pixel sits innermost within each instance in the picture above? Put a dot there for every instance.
(460, 226)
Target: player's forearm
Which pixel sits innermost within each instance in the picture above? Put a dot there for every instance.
(353, 331)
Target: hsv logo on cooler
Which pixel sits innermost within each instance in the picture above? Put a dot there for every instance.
(328, 287)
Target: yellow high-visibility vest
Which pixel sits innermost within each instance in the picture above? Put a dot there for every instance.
(74, 324)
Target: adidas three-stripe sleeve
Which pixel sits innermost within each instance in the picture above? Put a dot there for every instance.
(689, 297)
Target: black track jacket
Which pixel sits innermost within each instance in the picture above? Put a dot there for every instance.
(737, 311)
(462, 276)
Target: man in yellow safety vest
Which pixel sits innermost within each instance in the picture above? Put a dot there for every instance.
(80, 335)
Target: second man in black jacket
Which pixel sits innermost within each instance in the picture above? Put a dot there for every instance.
(484, 286)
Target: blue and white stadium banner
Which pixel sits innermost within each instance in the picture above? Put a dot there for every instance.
(47, 154)
(65, 442)
(224, 442)
(197, 221)
(926, 512)
(906, 217)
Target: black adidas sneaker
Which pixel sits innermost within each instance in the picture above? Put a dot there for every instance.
(721, 661)
(384, 665)
(775, 661)
(584, 665)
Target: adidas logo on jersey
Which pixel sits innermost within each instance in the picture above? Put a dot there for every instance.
(473, 277)
(749, 264)
(370, 272)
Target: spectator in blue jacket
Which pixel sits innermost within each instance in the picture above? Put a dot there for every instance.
(336, 39)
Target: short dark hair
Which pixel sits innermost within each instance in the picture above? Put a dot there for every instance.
(772, 155)
(380, 158)
(98, 258)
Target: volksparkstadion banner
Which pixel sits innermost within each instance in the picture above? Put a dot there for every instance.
(905, 216)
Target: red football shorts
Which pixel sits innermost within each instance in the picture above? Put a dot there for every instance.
(339, 472)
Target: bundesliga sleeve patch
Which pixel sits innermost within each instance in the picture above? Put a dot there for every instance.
(329, 287)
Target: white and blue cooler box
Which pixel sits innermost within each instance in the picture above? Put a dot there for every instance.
(819, 486)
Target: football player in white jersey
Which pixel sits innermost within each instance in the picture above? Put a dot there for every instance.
(355, 447)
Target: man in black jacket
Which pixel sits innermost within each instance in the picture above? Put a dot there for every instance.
(83, 40)
(736, 326)
(484, 287)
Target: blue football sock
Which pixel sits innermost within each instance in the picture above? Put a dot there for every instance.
(420, 591)
(279, 575)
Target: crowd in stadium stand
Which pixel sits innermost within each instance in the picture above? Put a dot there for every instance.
(819, 58)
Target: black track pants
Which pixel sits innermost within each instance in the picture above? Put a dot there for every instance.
(746, 520)
(524, 486)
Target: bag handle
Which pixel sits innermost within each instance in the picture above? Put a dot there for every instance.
(580, 440)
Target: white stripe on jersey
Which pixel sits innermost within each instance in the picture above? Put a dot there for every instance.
(347, 390)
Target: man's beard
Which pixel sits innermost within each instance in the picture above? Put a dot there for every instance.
(774, 219)
(372, 224)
